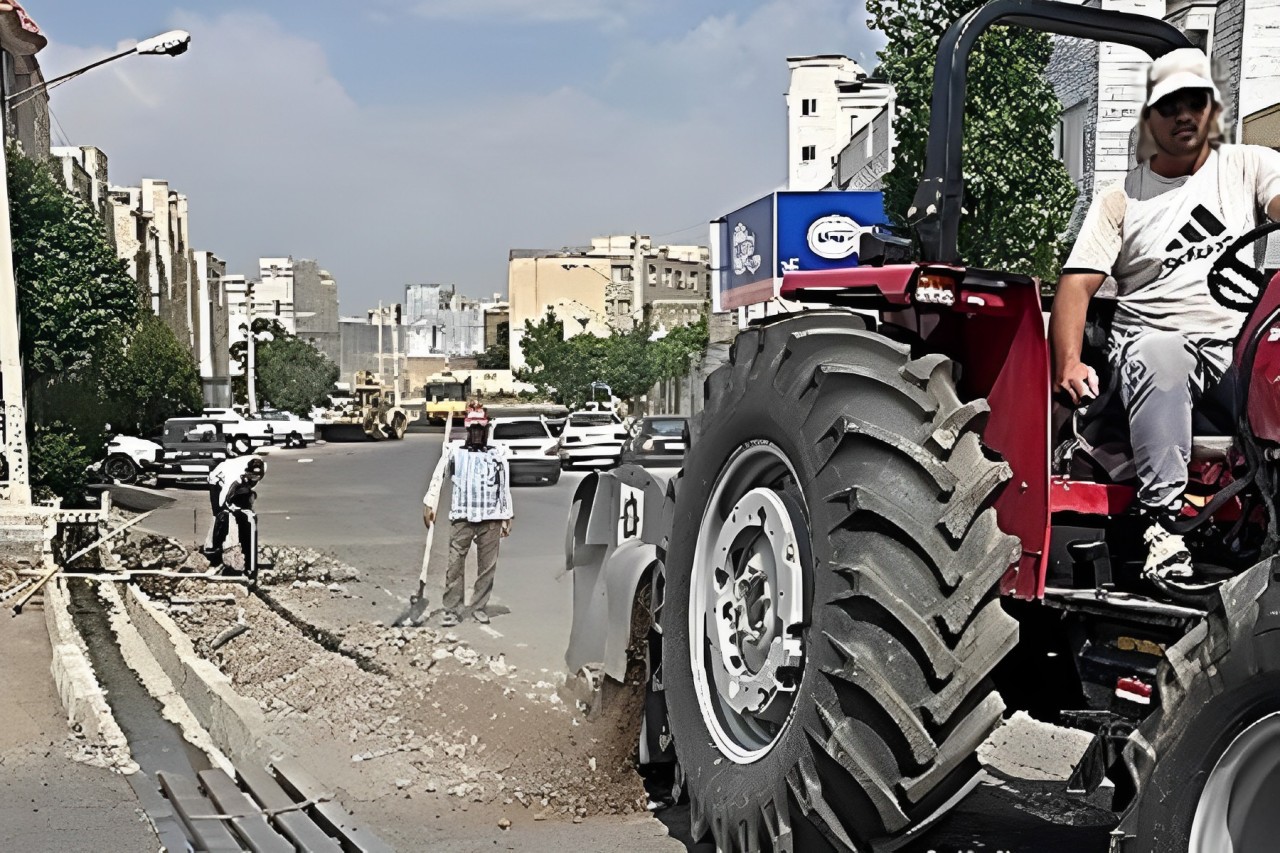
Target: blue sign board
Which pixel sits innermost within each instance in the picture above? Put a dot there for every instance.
(789, 231)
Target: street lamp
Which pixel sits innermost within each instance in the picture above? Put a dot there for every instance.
(172, 43)
(16, 488)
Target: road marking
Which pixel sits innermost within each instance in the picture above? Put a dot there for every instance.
(497, 635)
(305, 461)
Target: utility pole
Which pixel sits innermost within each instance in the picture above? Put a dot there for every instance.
(395, 359)
(16, 489)
(251, 364)
(638, 276)
(379, 316)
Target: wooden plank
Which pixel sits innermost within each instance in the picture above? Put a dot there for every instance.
(331, 816)
(297, 826)
(254, 831)
(210, 835)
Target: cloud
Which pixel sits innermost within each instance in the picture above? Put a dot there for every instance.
(516, 11)
(276, 157)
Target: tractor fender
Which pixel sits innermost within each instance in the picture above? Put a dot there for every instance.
(614, 530)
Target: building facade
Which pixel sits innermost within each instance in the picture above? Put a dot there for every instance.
(315, 294)
(442, 322)
(608, 285)
(839, 124)
(1102, 86)
(84, 173)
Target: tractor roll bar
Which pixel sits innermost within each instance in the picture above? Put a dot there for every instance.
(935, 211)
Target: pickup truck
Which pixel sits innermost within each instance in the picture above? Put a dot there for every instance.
(243, 434)
(187, 450)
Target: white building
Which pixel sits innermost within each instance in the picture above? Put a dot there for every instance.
(839, 124)
(273, 292)
(441, 322)
(1102, 86)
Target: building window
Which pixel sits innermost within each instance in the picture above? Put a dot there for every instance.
(693, 279)
(666, 277)
(679, 279)
(1070, 140)
(622, 273)
(809, 153)
(653, 275)
(809, 107)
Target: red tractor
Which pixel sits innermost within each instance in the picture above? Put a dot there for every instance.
(886, 534)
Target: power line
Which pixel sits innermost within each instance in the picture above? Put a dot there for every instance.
(681, 230)
(66, 140)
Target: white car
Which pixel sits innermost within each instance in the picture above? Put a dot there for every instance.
(532, 451)
(287, 428)
(242, 435)
(592, 438)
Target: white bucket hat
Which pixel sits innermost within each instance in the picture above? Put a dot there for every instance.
(1184, 68)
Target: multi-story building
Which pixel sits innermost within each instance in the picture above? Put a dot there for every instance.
(26, 116)
(212, 329)
(273, 293)
(1102, 86)
(497, 315)
(315, 302)
(839, 125)
(84, 173)
(610, 284)
(442, 322)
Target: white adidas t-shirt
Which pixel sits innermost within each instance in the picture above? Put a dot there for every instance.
(1158, 237)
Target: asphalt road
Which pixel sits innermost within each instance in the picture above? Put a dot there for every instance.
(362, 502)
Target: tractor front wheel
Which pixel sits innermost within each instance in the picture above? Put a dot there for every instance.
(1208, 761)
(831, 618)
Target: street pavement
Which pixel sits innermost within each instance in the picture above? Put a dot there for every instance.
(362, 502)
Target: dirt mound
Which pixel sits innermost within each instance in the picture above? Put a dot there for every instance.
(417, 709)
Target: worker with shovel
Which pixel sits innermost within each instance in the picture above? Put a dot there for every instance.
(481, 512)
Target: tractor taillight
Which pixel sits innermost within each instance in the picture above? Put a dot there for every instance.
(936, 289)
(1133, 690)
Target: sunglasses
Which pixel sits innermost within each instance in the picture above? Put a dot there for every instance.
(1194, 100)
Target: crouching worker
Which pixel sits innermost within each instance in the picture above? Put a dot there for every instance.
(480, 512)
(231, 486)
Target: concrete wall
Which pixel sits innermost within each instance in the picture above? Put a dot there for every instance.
(315, 301)
(535, 284)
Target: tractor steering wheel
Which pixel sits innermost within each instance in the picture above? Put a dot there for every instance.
(1236, 283)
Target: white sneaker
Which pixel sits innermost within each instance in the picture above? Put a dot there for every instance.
(1167, 555)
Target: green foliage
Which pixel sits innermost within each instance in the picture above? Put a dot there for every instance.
(497, 356)
(74, 295)
(156, 379)
(627, 361)
(292, 375)
(1018, 196)
(59, 462)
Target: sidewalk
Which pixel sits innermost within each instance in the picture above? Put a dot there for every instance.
(47, 800)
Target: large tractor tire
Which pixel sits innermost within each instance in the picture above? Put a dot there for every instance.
(1207, 762)
(831, 616)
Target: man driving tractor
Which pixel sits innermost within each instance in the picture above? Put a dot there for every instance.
(1157, 234)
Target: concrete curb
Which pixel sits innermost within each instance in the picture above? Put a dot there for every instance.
(77, 684)
(235, 724)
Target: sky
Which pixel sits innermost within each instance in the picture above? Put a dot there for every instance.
(402, 141)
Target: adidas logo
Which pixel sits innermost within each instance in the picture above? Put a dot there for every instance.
(1209, 226)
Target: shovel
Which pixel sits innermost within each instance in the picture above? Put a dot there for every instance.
(417, 608)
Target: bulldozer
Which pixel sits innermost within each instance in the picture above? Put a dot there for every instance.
(880, 545)
(373, 411)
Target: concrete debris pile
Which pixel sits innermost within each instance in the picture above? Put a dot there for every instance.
(281, 565)
(149, 551)
(434, 717)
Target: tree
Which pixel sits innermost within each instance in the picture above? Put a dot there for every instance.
(292, 375)
(629, 362)
(497, 356)
(156, 379)
(1018, 196)
(75, 297)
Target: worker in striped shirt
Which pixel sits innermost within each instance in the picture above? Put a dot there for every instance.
(481, 512)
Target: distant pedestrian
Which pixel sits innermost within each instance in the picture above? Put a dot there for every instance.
(231, 483)
(481, 511)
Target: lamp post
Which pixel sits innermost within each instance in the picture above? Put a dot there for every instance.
(16, 488)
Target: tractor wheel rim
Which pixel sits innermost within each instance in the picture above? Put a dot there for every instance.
(746, 603)
(1237, 808)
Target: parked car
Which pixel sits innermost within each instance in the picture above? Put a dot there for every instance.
(532, 451)
(657, 441)
(187, 449)
(243, 435)
(592, 438)
(287, 428)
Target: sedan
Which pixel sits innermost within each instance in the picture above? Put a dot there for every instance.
(657, 441)
(592, 439)
(532, 451)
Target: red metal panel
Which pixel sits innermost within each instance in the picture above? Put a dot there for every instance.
(1264, 383)
(1089, 498)
(816, 285)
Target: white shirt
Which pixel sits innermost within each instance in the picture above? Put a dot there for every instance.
(481, 483)
(227, 476)
(1158, 237)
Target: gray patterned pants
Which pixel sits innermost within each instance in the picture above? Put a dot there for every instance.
(486, 535)
(1162, 375)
